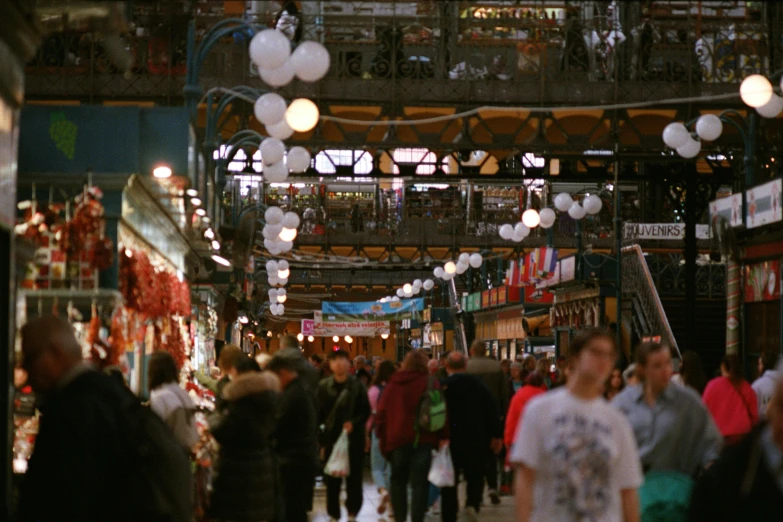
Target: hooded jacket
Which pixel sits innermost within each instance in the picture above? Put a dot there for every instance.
(395, 419)
(246, 488)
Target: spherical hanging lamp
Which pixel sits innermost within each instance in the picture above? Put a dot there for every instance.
(531, 218)
(756, 91)
(279, 76)
(547, 216)
(690, 150)
(270, 108)
(476, 260)
(563, 201)
(576, 211)
(709, 127)
(772, 108)
(288, 234)
(506, 231)
(302, 115)
(592, 204)
(269, 49)
(450, 268)
(311, 61)
(675, 135)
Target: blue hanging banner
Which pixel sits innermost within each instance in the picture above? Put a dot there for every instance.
(391, 311)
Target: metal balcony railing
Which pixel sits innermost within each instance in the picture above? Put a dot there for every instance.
(448, 52)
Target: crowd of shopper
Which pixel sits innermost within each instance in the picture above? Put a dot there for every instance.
(587, 440)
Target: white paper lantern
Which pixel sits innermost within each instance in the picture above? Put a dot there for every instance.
(275, 173)
(547, 216)
(592, 204)
(286, 246)
(273, 294)
(417, 283)
(269, 49)
(407, 287)
(273, 308)
(273, 280)
(273, 215)
(278, 77)
(690, 150)
(447, 276)
(464, 258)
(675, 135)
(756, 91)
(476, 260)
(450, 268)
(280, 309)
(298, 159)
(396, 299)
(506, 231)
(408, 295)
(428, 285)
(772, 108)
(563, 201)
(311, 61)
(530, 218)
(272, 151)
(270, 108)
(272, 266)
(400, 292)
(416, 290)
(288, 234)
(271, 231)
(709, 127)
(281, 292)
(518, 236)
(576, 211)
(521, 229)
(302, 115)
(280, 130)
(290, 220)
(438, 272)
(462, 268)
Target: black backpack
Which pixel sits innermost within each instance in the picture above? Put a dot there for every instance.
(157, 478)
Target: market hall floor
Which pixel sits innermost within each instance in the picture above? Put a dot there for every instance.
(489, 513)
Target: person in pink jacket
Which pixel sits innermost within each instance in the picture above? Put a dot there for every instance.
(731, 401)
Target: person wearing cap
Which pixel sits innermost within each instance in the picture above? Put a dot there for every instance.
(295, 435)
(746, 482)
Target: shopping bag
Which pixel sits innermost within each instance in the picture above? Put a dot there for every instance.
(665, 496)
(338, 465)
(442, 469)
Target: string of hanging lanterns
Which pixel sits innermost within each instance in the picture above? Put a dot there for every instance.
(545, 218)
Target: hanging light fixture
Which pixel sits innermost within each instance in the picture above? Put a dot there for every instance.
(531, 218)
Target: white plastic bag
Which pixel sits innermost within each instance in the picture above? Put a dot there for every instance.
(338, 465)
(442, 469)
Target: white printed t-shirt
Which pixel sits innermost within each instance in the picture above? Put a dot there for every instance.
(584, 453)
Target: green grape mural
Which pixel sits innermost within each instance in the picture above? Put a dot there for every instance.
(63, 133)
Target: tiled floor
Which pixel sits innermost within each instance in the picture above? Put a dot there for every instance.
(489, 513)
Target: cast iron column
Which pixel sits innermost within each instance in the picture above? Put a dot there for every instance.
(691, 218)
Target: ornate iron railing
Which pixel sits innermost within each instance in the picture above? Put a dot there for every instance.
(447, 52)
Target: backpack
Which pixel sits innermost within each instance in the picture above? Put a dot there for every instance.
(157, 479)
(431, 415)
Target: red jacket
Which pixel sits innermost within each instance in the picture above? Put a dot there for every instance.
(734, 409)
(395, 419)
(517, 408)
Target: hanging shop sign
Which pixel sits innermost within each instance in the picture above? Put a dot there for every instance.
(567, 269)
(493, 297)
(662, 231)
(762, 281)
(535, 295)
(763, 204)
(485, 299)
(324, 327)
(729, 207)
(391, 311)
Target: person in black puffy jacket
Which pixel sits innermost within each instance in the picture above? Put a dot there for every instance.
(246, 485)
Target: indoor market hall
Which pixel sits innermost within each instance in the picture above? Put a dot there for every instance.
(358, 261)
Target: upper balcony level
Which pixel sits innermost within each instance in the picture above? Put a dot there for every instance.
(432, 53)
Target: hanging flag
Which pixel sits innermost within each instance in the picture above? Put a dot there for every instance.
(546, 262)
(512, 273)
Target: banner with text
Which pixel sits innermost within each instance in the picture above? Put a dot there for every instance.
(324, 327)
(662, 231)
(372, 310)
(764, 204)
